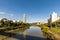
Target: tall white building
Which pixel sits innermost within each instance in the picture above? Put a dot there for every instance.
(53, 17)
(24, 16)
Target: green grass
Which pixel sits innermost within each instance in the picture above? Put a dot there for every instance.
(56, 30)
(44, 28)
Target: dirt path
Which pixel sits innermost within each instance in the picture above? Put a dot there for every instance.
(57, 36)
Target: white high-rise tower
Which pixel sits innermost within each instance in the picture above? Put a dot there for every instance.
(53, 16)
(24, 16)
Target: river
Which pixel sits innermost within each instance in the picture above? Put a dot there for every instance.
(32, 33)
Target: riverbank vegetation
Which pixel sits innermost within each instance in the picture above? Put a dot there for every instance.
(44, 27)
(6, 24)
(56, 30)
(55, 27)
(51, 31)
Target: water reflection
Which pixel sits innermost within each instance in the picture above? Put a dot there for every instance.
(34, 33)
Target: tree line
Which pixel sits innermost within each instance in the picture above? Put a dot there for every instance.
(9, 24)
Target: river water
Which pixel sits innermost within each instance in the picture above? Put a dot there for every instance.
(32, 33)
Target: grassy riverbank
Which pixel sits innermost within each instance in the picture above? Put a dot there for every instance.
(56, 30)
(44, 28)
(52, 33)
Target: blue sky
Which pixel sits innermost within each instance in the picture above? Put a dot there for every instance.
(36, 10)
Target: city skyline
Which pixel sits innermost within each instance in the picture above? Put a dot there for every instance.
(35, 10)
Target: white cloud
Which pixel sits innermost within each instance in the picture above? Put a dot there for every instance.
(11, 15)
(2, 13)
(8, 14)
